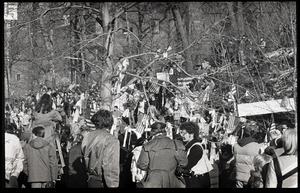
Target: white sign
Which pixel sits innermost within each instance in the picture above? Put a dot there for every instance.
(265, 107)
(162, 76)
(10, 11)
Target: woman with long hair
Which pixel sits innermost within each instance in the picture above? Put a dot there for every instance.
(283, 170)
(46, 117)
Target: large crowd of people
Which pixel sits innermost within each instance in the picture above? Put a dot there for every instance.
(64, 139)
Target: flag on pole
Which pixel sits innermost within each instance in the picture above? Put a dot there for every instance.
(232, 123)
(233, 89)
(142, 125)
(154, 87)
(271, 128)
(273, 125)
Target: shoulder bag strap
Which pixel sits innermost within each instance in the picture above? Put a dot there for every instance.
(293, 171)
(176, 155)
(278, 172)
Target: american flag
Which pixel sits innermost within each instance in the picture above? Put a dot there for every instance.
(140, 126)
(232, 122)
(271, 128)
(273, 125)
(154, 87)
(233, 89)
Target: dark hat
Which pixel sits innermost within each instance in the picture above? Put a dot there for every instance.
(25, 136)
(158, 126)
(251, 128)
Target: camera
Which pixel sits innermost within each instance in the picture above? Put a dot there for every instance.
(183, 172)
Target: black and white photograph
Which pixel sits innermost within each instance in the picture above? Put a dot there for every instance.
(114, 94)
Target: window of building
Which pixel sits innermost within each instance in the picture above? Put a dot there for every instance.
(18, 77)
(155, 26)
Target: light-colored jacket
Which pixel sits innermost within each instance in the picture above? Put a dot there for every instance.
(244, 154)
(158, 159)
(47, 121)
(101, 152)
(40, 162)
(286, 164)
(14, 156)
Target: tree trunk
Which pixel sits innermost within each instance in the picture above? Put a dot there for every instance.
(294, 35)
(184, 38)
(232, 18)
(7, 56)
(83, 54)
(48, 38)
(240, 18)
(75, 39)
(106, 84)
(241, 31)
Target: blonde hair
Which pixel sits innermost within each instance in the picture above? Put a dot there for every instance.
(260, 160)
(290, 141)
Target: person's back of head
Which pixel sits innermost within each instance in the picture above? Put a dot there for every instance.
(10, 128)
(226, 150)
(260, 160)
(39, 131)
(102, 119)
(250, 130)
(44, 104)
(290, 141)
(158, 127)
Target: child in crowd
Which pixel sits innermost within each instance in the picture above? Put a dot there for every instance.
(258, 176)
(40, 164)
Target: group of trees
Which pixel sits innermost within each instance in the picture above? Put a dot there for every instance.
(88, 40)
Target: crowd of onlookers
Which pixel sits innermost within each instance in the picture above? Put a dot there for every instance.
(65, 140)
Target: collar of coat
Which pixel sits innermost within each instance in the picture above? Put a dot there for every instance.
(190, 143)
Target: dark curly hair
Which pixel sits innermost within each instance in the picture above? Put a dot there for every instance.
(44, 105)
(102, 119)
(39, 131)
(190, 127)
(158, 127)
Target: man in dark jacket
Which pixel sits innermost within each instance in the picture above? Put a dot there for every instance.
(101, 151)
(77, 171)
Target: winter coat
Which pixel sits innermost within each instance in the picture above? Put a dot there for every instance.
(13, 156)
(214, 176)
(40, 162)
(244, 152)
(255, 180)
(77, 172)
(101, 152)
(47, 121)
(158, 159)
(76, 163)
(286, 164)
(137, 174)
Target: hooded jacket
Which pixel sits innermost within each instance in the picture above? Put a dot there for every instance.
(244, 151)
(40, 162)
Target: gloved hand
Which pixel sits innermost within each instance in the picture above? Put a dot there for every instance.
(13, 182)
(270, 150)
(50, 184)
